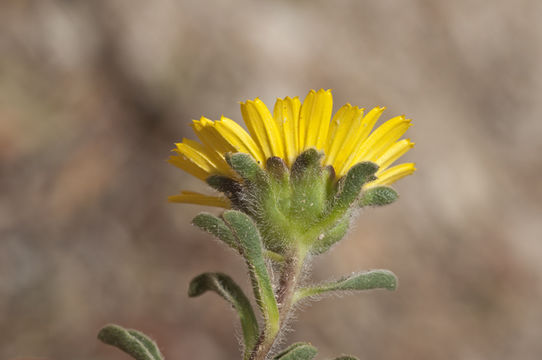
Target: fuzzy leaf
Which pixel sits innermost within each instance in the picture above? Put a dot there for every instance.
(330, 237)
(308, 160)
(224, 286)
(309, 188)
(277, 167)
(330, 177)
(215, 226)
(250, 244)
(224, 184)
(229, 187)
(298, 351)
(148, 343)
(374, 279)
(358, 175)
(378, 196)
(132, 342)
(348, 189)
(245, 166)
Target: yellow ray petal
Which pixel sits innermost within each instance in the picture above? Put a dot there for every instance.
(378, 139)
(314, 119)
(263, 128)
(355, 140)
(193, 160)
(207, 133)
(381, 145)
(393, 174)
(344, 126)
(191, 167)
(336, 122)
(191, 197)
(392, 154)
(234, 134)
(206, 158)
(286, 114)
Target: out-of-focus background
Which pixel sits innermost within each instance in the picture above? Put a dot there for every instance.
(93, 95)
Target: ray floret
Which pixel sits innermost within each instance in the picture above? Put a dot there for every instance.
(345, 139)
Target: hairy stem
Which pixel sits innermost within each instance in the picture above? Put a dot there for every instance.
(289, 277)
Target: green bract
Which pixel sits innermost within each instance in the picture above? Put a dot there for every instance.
(306, 207)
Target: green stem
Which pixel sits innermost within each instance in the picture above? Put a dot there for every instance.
(290, 274)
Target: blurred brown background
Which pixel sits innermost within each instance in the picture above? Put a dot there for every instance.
(93, 94)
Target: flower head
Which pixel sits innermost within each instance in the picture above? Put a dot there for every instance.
(345, 140)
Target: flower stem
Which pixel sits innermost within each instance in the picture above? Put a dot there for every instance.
(289, 277)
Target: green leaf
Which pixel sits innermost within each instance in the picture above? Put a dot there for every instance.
(224, 184)
(250, 244)
(148, 343)
(330, 178)
(379, 196)
(346, 357)
(350, 189)
(277, 167)
(224, 286)
(308, 160)
(245, 166)
(216, 226)
(309, 189)
(330, 237)
(374, 279)
(132, 342)
(298, 351)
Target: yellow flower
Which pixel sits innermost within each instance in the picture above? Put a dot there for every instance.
(292, 128)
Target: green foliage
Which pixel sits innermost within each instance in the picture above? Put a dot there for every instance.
(224, 286)
(328, 238)
(379, 196)
(306, 205)
(332, 224)
(374, 279)
(251, 249)
(308, 161)
(245, 166)
(281, 215)
(309, 190)
(148, 343)
(350, 189)
(223, 184)
(298, 351)
(330, 178)
(277, 168)
(215, 226)
(132, 342)
(229, 187)
(271, 255)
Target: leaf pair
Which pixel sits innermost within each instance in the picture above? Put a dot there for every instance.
(217, 227)
(238, 231)
(334, 223)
